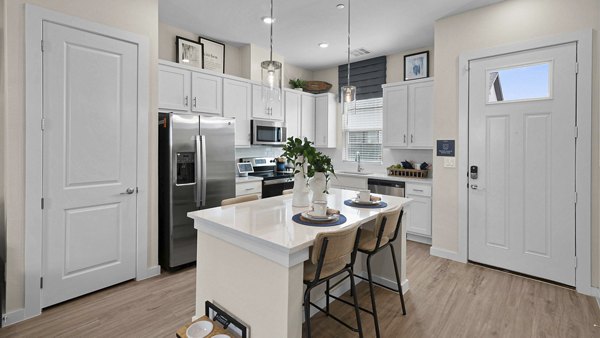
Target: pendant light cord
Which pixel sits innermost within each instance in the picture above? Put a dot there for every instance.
(272, 23)
(348, 82)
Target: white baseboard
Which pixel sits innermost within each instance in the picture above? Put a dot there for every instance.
(13, 317)
(148, 273)
(418, 238)
(447, 254)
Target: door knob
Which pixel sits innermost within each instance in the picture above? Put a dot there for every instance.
(129, 191)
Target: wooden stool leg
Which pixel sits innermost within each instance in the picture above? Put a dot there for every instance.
(373, 306)
(398, 279)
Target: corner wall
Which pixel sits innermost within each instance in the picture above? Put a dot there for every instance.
(137, 16)
(504, 23)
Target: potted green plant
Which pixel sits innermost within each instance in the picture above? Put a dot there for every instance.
(319, 172)
(297, 84)
(297, 151)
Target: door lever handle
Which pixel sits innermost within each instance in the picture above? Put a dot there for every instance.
(129, 191)
(474, 186)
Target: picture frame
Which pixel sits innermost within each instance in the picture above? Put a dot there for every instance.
(189, 52)
(416, 66)
(213, 56)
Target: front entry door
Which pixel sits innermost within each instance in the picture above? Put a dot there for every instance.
(89, 162)
(522, 136)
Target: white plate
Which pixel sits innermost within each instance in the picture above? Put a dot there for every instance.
(312, 215)
(357, 201)
(221, 336)
(199, 329)
(320, 218)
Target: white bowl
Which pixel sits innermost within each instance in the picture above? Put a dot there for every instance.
(221, 336)
(199, 329)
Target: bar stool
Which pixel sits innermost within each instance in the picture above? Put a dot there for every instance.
(240, 199)
(387, 226)
(333, 254)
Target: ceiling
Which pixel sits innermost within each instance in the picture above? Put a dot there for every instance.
(382, 27)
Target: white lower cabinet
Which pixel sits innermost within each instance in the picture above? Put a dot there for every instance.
(418, 213)
(248, 188)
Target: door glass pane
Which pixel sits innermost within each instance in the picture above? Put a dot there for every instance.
(526, 82)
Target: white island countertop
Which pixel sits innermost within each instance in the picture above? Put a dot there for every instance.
(267, 223)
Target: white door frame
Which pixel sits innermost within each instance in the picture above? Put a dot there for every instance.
(583, 150)
(34, 18)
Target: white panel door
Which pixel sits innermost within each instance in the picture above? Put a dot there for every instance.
(522, 139)
(292, 113)
(237, 103)
(420, 116)
(395, 116)
(308, 117)
(89, 162)
(173, 88)
(207, 94)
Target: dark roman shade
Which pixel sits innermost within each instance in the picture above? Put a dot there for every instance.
(367, 76)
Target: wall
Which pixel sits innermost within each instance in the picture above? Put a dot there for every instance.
(137, 16)
(504, 23)
(2, 115)
(167, 48)
(394, 73)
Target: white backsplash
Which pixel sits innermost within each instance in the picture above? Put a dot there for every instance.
(258, 151)
(390, 156)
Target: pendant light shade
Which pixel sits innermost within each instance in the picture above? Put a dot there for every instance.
(348, 92)
(271, 74)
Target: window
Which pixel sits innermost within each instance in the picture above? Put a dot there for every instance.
(520, 83)
(363, 131)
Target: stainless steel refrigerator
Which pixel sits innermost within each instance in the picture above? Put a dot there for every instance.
(196, 170)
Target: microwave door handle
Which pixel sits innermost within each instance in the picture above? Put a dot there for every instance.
(278, 135)
(199, 173)
(203, 165)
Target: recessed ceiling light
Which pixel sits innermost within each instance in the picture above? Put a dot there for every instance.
(340, 6)
(267, 20)
(323, 45)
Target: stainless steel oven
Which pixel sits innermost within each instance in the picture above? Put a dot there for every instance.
(271, 133)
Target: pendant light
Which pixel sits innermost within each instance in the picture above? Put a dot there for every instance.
(271, 74)
(348, 91)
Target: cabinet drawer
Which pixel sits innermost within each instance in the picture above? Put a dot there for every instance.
(418, 189)
(248, 188)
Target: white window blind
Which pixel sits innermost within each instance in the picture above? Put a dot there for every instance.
(363, 131)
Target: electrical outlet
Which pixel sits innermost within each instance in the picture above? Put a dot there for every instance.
(449, 162)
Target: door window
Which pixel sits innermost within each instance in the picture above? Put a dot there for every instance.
(520, 83)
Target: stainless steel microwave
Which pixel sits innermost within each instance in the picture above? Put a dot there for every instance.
(271, 133)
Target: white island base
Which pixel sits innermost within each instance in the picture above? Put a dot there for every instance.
(250, 260)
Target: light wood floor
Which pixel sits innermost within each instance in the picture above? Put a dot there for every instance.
(446, 299)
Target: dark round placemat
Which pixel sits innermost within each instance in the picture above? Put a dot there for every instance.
(300, 220)
(381, 204)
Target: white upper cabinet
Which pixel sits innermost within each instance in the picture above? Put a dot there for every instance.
(325, 121)
(207, 93)
(408, 114)
(237, 102)
(260, 110)
(308, 117)
(173, 88)
(293, 110)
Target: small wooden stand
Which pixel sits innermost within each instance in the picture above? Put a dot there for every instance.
(181, 333)
(416, 173)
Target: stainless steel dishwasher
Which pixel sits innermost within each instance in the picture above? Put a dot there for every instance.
(392, 188)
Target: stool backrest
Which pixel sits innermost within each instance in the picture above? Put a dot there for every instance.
(341, 244)
(235, 200)
(392, 221)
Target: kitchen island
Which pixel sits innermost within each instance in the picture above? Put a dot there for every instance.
(250, 259)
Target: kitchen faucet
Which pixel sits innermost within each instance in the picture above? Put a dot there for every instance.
(357, 159)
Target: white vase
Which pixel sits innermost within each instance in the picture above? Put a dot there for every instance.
(300, 197)
(318, 186)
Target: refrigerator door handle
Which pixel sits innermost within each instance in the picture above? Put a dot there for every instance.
(203, 166)
(199, 172)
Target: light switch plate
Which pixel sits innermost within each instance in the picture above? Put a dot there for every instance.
(449, 162)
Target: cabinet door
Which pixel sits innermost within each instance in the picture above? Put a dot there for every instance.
(237, 103)
(308, 117)
(173, 88)
(325, 121)
(207, 94)
(259, 109)
(292, 113)
(395, 116)
(420, 115)
(418, 218)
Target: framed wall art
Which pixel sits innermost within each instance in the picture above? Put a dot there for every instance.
(214, 55)
(416, 66)
(189, 52)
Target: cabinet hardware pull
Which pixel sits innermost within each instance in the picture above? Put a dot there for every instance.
(194, 102)
(248, 189)
(186, 100)
(419, 190)
(411, 138)
(404, 138)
